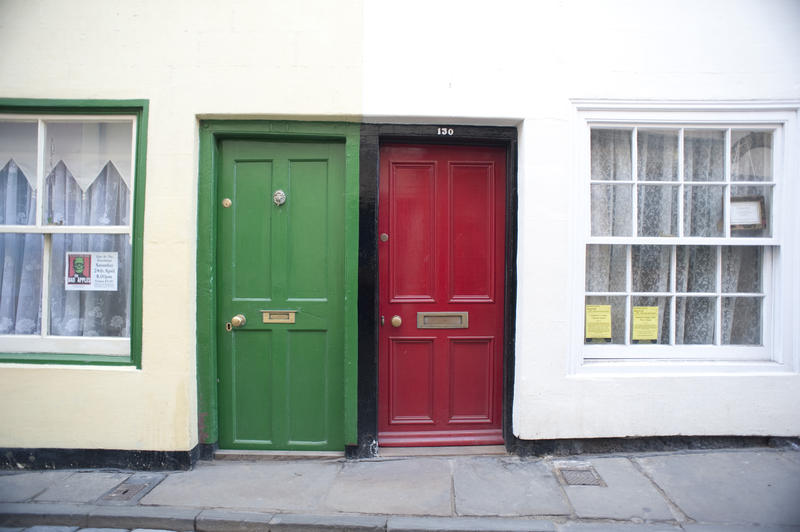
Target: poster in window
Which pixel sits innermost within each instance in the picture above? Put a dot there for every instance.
(645, 325)
(598, 323)
(91, 271)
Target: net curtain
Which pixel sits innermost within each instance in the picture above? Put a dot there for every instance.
(84, 186)
(657, 216)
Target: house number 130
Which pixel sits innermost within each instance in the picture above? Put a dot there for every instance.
(444, 131)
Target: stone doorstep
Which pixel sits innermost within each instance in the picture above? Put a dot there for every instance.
(167, 518)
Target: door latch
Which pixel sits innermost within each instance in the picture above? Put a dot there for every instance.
(237, 321)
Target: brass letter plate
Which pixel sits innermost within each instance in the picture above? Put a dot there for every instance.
(278, 316)
(442, 320)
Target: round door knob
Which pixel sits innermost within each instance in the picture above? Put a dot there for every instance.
(397, 321)
(238, 320)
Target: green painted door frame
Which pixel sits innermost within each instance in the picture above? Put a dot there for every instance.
(212, 132)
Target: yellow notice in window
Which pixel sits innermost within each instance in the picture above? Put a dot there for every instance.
(645, 323)
(598, 322)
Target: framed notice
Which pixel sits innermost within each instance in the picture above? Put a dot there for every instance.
(747, 212)
(91, 271)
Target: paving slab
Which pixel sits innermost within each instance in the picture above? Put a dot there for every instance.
(506, 486)
(83, 486)
(225, 521)
(739, 528)
(29, 514)
(794, 456)
(466, 524)
(314, 523)
(611, 526)
(159, 518)
(395, 487)
(627, 494)
(20, 487)
(295, 486)
(44, 528)
(737, 487)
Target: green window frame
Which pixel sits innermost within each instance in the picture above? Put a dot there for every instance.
(117, 113)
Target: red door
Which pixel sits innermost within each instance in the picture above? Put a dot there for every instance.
(441, 254)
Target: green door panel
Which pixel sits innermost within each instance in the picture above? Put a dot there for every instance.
(281, 384)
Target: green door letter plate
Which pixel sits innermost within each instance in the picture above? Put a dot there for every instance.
(278, 316)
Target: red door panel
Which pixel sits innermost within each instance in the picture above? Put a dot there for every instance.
(442, 209)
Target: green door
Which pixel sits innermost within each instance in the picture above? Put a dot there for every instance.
(281, 267)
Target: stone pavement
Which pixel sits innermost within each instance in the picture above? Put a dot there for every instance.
(694, 491)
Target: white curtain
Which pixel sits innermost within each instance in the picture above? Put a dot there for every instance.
(21, 256)
(72, 313)
(105, 202)
(657, 216)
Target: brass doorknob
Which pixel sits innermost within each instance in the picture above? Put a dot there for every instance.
(397, 321)
(238, 320)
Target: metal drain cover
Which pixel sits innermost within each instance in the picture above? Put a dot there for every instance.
(578, 474)
(131, 490)
(124, 492)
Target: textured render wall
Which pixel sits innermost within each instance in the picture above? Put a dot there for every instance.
(521, 62)
(243, 59)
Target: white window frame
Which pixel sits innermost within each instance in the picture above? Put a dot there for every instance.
(780, 339)
(45, 343)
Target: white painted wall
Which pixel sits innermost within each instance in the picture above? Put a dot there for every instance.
(190, 58)
(521, 62)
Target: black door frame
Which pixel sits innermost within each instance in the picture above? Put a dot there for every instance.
(372, 136)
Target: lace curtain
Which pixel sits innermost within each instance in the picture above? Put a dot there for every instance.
(21, 256)
(71, 313)
(657, 215)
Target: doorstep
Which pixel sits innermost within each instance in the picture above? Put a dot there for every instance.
(242, 455)
(453, 450)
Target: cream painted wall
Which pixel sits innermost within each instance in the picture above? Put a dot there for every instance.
(189, 58)
(521, 62)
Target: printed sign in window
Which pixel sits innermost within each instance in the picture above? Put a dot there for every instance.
(91, 271)
(645, 325)
(598, 323)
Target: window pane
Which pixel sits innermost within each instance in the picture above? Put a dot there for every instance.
(696, 269)
(617, 317)
(605, 268)
(741, 269)
(20, 283)
(657, 155)
(703, 155)
(611, 210)
(741, 320)
(751, 211)
(90, 285)
(611, 154)
(651, 269)
(695, 320)
(89, 173)
(642, 308)
(702, 210)
(658, 210)
(751, 155)
(18, 173)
